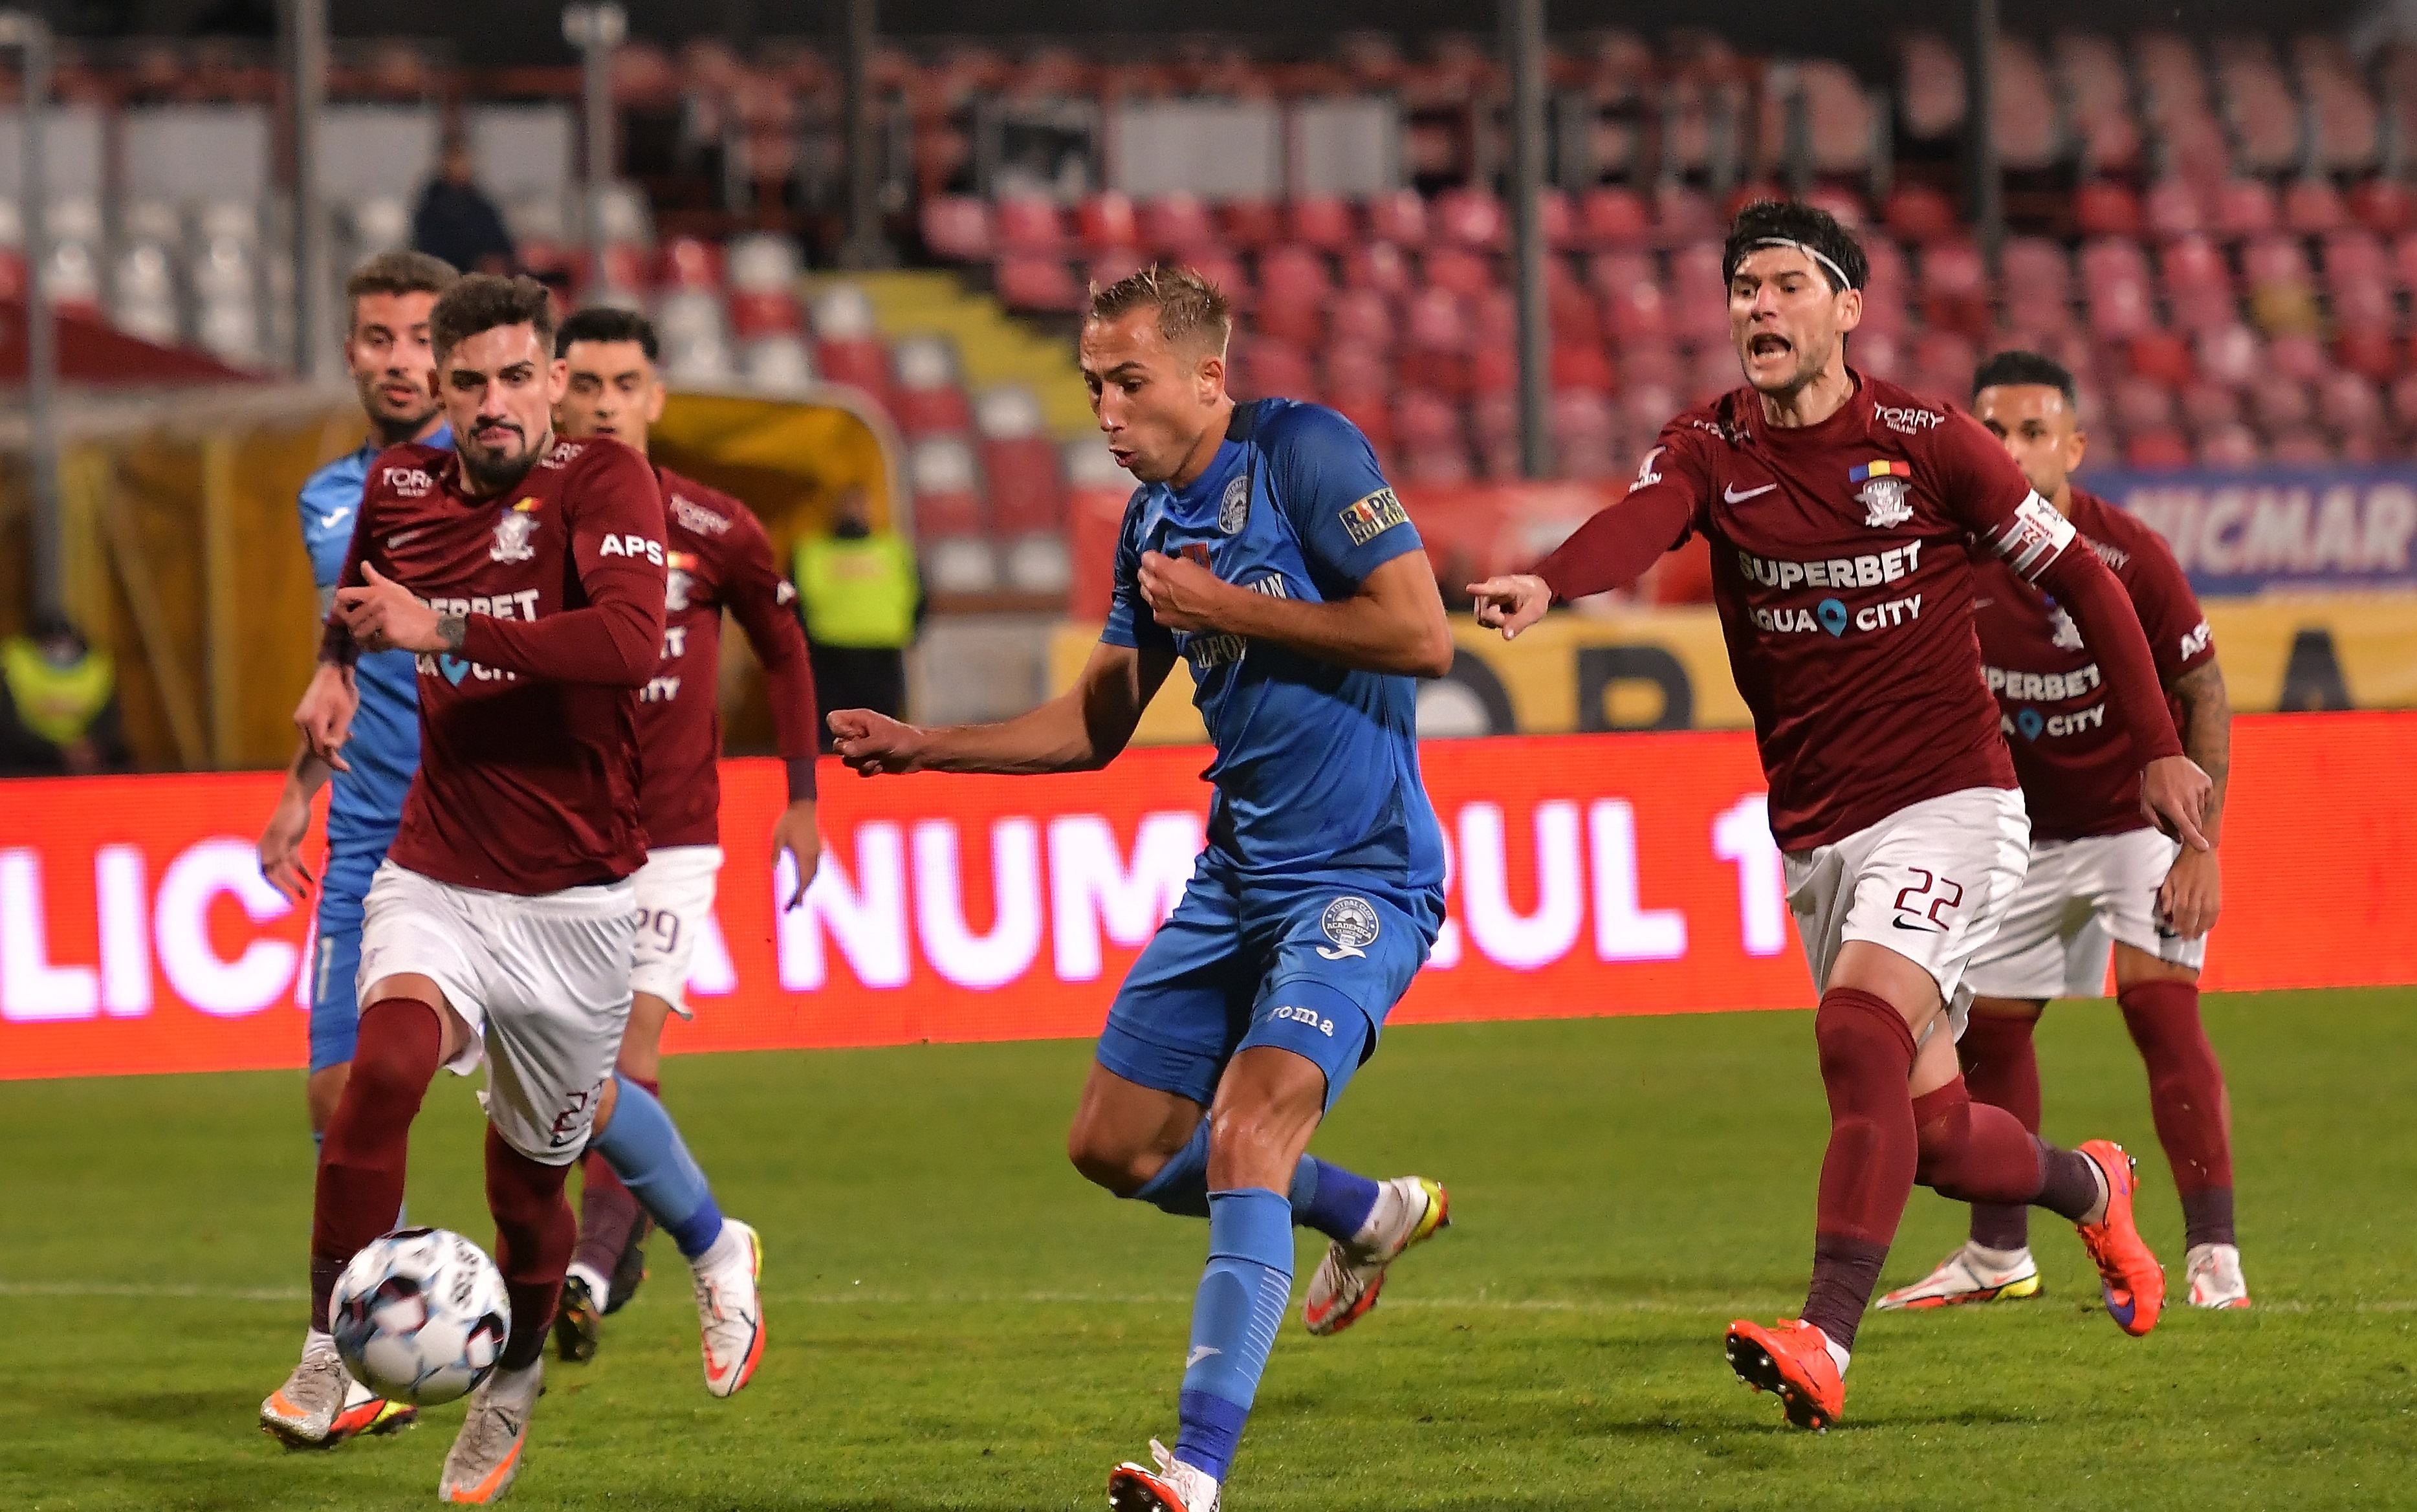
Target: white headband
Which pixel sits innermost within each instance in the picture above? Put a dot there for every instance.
(1809, 250)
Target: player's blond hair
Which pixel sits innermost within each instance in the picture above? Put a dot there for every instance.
(396, 272)
(1190, 309)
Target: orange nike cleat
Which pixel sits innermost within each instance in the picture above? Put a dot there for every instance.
(2129, 1275)
(1792, 1360)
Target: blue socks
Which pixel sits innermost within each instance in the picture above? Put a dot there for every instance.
(644, 1148)
(1242, 1304)
(1326, 1198)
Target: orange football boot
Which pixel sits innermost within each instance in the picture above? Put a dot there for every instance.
(1792, 1360)
(2129, 1275)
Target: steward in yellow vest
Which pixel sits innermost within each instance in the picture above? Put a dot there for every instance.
(862, 600)
(58, 703)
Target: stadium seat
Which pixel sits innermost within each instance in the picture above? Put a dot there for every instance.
(1917, 213)
(1472, 218)
(957, 228)
(2230, 354)
(1026, 495)
(763, 313)
(1357, 368)
(947, 483)
(2368, 351)
(1610, 217)
(1427, 421)
(2298, 447)
(2278, 404)
(1582, 367)
(1463, 272)
(1176, 225)
(1682, 215)
(1223, 269)
(2244, 207)
(762, 261)
(2204, 406)
(778, 363)
(689, 263)
(1115, 265)
(861, 362)
(2162, 356)
(1555, 219)
(2383, 206)
(1320, 220)
(1104, 222)
(1377, 265)
(2347, 405)
(2313, 208)
(1250, 224)
(1029, 225)
(1044, 284)
(2102, 208)
(1269, 367)
(2172, 208)
(1399, 217)
(1363, 316)
(2115, 281)
(2159, 448)
(2229, 447)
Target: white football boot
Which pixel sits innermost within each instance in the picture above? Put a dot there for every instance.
(2215, 1279)
(1970, 1275)
(1409, 1209)
(485, 1458)
(1173, 1486)
(729, 1311)
(302, 1413)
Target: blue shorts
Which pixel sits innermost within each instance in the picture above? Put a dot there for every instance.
(1310, 967)
(335, 1007)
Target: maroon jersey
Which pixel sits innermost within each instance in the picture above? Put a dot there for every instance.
(528, 754)
(720, 558)
(2075, 767)
(1842, 567)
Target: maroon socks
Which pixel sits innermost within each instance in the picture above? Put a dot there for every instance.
(534, 1232)
(369, 1140)
(1867, 1172)
(2001, 1069)
(608, 1214)
(2186, 1094)
(1973, 1153)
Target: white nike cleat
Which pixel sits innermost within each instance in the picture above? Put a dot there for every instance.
(1969, 1274)
(1173, 1486)
(729, 1312)
(303, 1414)
(2215, 1279)
(486, 1454)
(1409, 1209)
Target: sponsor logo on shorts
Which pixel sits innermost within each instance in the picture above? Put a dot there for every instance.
(1306, 1016)
(1351, 923)
(1372, 516)
(1233, 511)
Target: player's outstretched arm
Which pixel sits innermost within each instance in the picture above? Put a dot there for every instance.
(324, 715)
(289, 825)
(1081, 730)
(1394, 623)
(1613, 549)
(2193, 894)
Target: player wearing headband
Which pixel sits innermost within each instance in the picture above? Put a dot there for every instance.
(1843, 514)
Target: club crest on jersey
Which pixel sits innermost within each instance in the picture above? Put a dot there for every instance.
(675, 587)
(2067, 634)
(1233, 511)
(1372, 516)
(512, 533)
(1351, 923)
(1883, 494)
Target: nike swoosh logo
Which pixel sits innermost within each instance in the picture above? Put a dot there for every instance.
(394, 541)
(1730, 495)
(325, 520)
(1983, 603)
(1199, 1353)
(1926, 929)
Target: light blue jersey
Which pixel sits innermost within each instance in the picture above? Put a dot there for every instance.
(365, 804)
(1321, 888)
(1317, 765)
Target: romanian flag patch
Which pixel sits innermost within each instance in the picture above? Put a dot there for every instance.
(1882, 468)
(1372, 516)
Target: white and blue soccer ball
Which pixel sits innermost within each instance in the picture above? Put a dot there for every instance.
(420, 1316)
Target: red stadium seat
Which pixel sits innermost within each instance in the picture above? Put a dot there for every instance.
(2312, 207)
(1294, 272)
(764, 315)
(2280, 404)
(1611, 216)
(1582, 367)
(1435, 319)
(2369, 352)
(2102, 208)
(2115, 281)
(1250, 224)
(1321, 221)
(2244, 207)
(1105, 222)
(1364, 316)
(1030, 224)
(1437, 464)
(929, 412)
(1026, 494)
(1636, 314)
(1426, 420)
(1273, 369)
(1844, 205)
(2173, 209)
(1470, 217)
(2383, 207)
(2229, 447)
(1352, 367)
(2204, 406)
(1682, 215)
(1493, 317)
(2298, 447)
(861, 362)
(2297, 357)
(1554, 216)
(2164, 356)
(1464, 273)
(689, 263)
(1176, 225)
(1377, 265)
(2035, 264)
(1115, 265)
(1915, 212)
(1571, 314)
(1400, 217)
(1038, 283)
(2158, 449)
(2401, 399)
(957, 228)
(1367, 409)
(1223, 269)
(2231, 353)
(1296, 319)
(2350, 406)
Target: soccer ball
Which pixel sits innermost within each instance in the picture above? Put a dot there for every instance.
(420, 1316)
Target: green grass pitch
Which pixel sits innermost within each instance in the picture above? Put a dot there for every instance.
(957, 1321)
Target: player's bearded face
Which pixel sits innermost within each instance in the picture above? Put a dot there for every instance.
(392, 364)
(1787, 320)
(1155, 401)
(499, 388)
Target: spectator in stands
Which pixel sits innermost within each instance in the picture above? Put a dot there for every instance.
(863, 601)
(58, 703)
(457, 222)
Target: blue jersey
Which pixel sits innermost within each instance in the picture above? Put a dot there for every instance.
(1317, 765)
(384, 751)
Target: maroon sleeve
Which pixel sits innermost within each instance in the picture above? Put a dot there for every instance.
(2179, 637)
(759, 598)
(2104, 613)
(616, 517)
(1615, 548)
(1977, 480)
(336, 644)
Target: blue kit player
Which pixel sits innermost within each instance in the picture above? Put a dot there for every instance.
(394, 368)
(1265, 549)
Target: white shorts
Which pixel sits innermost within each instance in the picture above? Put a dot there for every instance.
(1931, 882)
(542, 982)
(2081, 898)
(675, 899)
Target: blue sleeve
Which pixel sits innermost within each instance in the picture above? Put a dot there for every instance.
(330, 504)
(1325, 480)
(1130, 621)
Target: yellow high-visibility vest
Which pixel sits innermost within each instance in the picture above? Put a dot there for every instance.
(58, 703)
(857, 593)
